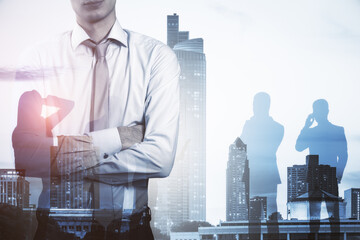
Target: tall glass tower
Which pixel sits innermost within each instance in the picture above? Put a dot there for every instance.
(182, 196)
(193, 122)
(237, 183)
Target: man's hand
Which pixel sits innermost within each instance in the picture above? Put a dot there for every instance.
(74, 154)
(131, 135)
(309, 121)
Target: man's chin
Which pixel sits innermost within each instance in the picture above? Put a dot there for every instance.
(94, 17)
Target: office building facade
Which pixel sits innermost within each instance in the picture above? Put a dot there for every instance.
(352, 199)
(296, 181)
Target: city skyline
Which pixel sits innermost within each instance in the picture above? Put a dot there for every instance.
(316, 46)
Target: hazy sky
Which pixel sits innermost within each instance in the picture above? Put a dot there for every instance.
(297, 51)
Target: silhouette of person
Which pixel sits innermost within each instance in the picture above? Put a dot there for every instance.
(328, 141)
(33, 132)
(263, 136)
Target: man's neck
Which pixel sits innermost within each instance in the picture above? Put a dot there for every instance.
(262, 116)
(97, 31)
(323, 122)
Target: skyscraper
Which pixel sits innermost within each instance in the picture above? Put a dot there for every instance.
(182, 196)
(352, 199)
(193, 122)
(14, 189)
(237, 183)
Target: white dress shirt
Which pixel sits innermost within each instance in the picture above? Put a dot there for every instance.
(143, 89)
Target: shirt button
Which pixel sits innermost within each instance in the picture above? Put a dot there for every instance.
(106, 155)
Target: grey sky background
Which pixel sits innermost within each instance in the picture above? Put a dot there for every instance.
(297, 51)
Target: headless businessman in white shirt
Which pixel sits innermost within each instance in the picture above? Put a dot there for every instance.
(126, 134)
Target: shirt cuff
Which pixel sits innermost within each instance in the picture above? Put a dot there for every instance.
(106, 141)
(55, 141)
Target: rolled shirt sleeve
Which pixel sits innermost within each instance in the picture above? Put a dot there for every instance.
(154, 156)
(107, 142)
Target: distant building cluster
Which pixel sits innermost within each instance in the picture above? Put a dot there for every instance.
(308, 184)
(14, 189)
(311, 183)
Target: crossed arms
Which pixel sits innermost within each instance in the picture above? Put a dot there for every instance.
(146, 151)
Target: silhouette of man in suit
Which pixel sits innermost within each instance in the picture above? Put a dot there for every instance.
(263, 136)
(329, 142)
(326, 139)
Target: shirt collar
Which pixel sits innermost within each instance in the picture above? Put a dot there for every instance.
(117, 33)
